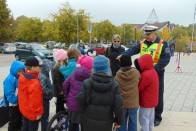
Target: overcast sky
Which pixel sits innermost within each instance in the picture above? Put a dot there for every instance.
(117, 11)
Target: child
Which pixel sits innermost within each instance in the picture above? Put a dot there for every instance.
(128, 78)
(100, 97)
(30, 94)
(10, 85)
(58, 78)
(47, 91)
(72, 87)
(73, 55)
(148, 91)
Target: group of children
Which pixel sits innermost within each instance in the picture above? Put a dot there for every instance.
(95, 99)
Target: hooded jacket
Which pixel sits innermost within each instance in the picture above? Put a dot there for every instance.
(10, 84)
(102, 102)
(149, 83)
(72, 86)
(30, 95)
(128, 79)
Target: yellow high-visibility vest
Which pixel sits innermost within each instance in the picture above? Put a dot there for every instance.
(154, 50)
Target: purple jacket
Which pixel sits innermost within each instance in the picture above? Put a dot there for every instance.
(72, 86)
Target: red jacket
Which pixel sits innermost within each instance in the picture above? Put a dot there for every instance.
(30, 95)
(149, 83)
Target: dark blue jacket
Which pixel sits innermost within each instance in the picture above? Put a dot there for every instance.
(45, 80)
(164, 57)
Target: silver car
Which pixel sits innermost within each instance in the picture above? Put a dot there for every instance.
(7, 47)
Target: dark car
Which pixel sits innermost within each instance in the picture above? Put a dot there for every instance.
(32, 49)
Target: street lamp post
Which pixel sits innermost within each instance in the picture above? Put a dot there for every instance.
(89, 31)
(77, 30)
(193, 30)
(124, 35)
(135, 34)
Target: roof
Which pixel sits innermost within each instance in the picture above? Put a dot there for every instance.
(137, 25)
(160, 24)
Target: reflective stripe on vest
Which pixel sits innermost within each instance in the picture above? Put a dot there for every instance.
(155, 50)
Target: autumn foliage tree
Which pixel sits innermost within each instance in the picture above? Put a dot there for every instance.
(5, 22)
(181, 37)
(29, 30)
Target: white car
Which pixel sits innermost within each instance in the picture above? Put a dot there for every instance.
(7, 47)
(124, 47)
(121, 46)
(79, 45)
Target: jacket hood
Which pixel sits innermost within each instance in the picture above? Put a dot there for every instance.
(145, 62)
(47, 66)
(128, 74)
(28, 75)
(101, 82)
(15, 67)
(82, 73)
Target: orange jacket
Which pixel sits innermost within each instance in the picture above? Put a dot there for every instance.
(30, 95)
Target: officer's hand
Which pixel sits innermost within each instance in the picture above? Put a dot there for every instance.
(118, 58)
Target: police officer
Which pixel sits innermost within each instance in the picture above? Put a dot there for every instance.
(160, 51)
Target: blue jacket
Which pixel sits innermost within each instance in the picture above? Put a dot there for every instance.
(68, 69)
(10, 84)
(164, 57)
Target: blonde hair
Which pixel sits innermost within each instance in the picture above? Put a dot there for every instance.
(116, 36)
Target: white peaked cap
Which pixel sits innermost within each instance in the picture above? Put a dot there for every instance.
(150, 28)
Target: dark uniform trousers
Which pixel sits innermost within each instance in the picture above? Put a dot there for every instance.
(159, 108)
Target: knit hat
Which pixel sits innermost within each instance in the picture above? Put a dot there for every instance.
(33, 61)
(101, 64)
(85, 61)
(60, 55)
(125, 60)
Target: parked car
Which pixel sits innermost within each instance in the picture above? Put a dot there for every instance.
(124, 47)
(19, 43)
(121, 46)
(33, 49)
(99, 48)
(85, 47)
(49, 44)
(7, 47)
(59, 45)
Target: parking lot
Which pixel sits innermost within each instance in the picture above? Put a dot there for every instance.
(6, 59)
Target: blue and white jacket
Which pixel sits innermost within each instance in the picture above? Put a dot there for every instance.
(10, 84)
